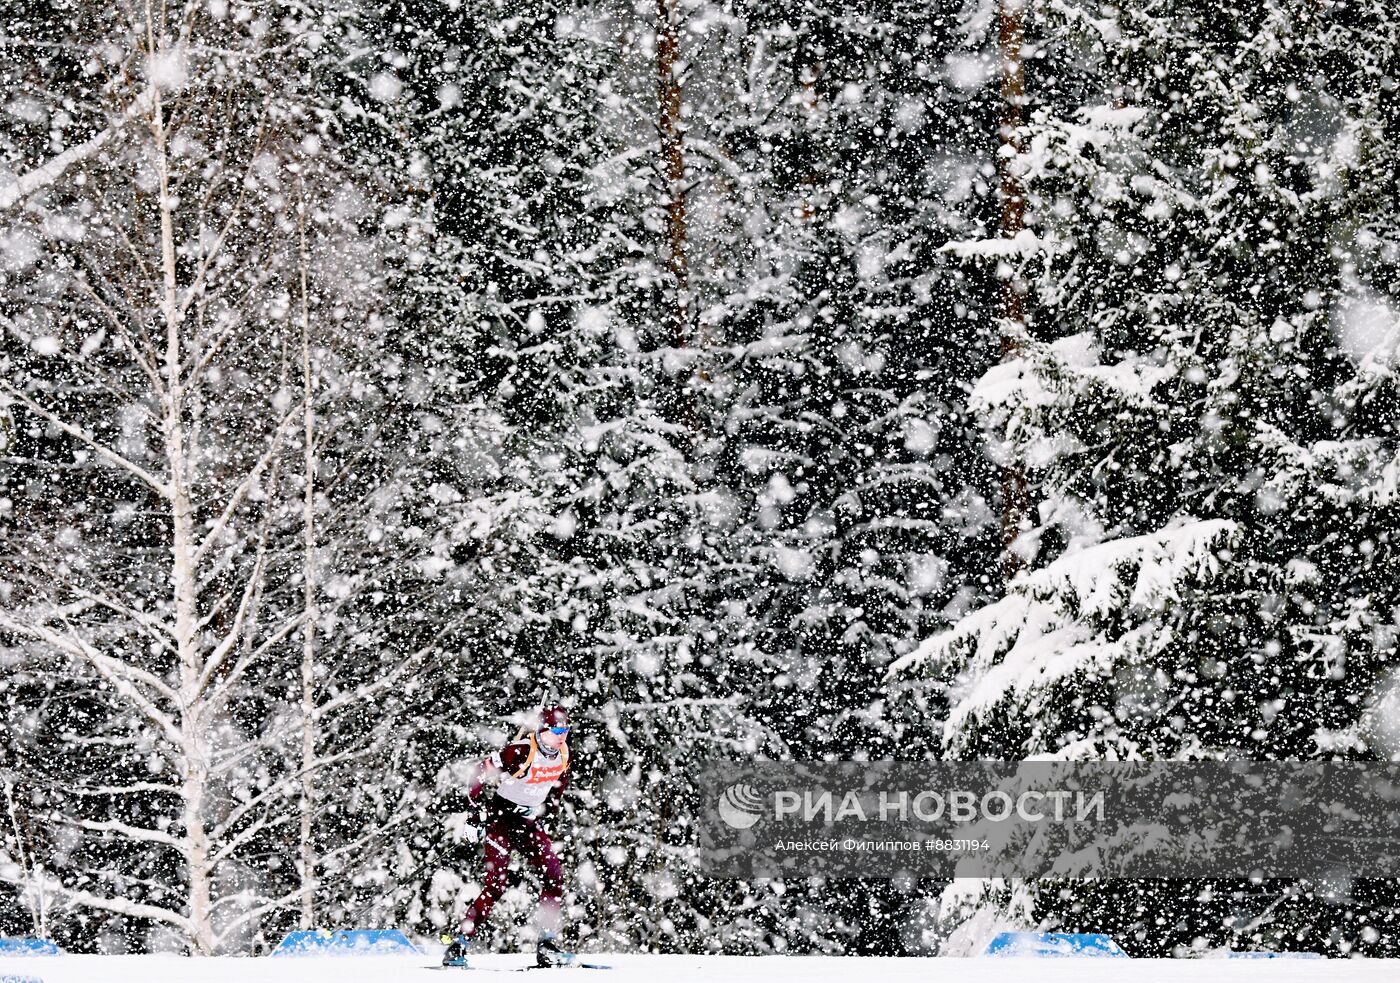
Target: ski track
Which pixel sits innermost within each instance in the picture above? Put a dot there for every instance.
(679, 969)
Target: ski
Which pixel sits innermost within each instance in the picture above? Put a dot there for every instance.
(572, 964)
(520, 969)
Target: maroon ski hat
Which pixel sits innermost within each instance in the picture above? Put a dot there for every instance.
(553, 716)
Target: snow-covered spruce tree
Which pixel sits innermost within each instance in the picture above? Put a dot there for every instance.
(159, 350)
(841, 336)
(672, 479)
(1204, 409)
(844, 497)
(566, 210)
(526, 316)
(772, 291)
(580, 264)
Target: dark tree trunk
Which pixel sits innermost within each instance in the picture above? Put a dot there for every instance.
(673, 166)
(1015, 499)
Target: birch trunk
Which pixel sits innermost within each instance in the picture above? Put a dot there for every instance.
(308, 650)
(194, 781)
(33, 881)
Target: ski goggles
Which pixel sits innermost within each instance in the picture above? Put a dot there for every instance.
(559, 730)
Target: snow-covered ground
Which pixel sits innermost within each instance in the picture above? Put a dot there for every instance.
(679, 969)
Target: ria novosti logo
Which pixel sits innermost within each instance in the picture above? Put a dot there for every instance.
(741, 806)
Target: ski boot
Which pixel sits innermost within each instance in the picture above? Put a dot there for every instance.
(456, 954)
(548, 953)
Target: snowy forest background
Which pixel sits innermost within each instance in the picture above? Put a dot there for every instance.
(786, 378)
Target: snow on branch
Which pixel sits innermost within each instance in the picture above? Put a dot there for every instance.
(249, 480)
(122, 676)
(1344, 472)
(138, 833)
(1105, 27)
(1052, 624)
(161, 488)
(1047, 371)
(119, 906)
(1023, 244)
(52, 169)
(1032, 399)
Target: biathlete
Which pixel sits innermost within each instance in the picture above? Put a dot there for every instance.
(530, 777)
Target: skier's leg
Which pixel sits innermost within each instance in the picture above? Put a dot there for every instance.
(498, 844)
(543, 858)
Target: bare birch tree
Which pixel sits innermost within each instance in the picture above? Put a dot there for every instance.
(152, 359)
(17, 849)
(309, 587)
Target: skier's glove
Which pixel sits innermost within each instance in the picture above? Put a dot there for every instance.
(465, 826)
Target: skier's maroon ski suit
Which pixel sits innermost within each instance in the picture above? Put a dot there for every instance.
(533, 777)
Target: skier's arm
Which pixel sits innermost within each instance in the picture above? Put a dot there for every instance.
(555, 797)
(486, 774)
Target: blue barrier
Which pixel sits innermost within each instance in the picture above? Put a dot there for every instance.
(1054, 944)
(28, 947)
(352, 942)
